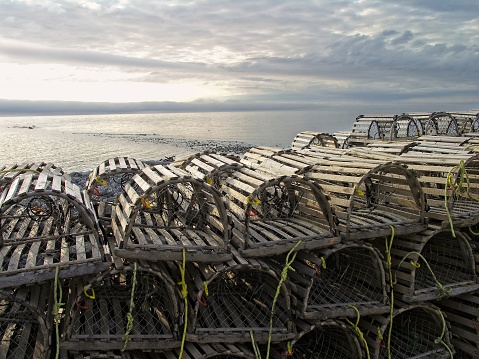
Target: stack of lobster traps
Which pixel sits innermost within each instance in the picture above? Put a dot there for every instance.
(320, 250)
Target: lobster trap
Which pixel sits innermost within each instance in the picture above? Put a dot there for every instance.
(431, 265)
(132, 308)
(450, 184)
(236, 300)
(312, 138)
(271, 213)
(345, 280)
(47, 222)
(463, 316)
(331, 339)
(418, 331)
(370, 196)
(25, 322)
(107, 181)
(164, 211)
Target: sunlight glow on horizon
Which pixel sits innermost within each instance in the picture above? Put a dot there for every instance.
(51, 82)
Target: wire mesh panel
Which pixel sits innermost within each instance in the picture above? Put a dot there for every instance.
(463, 315)
(164, 211)
(25, 327)
(47, 222)
(431, 265)
(107, 180)
(405, 126)
(375, 127)
(233, 300)
(370, 196)
(135, 308)
(441, 123)
(343, 281)
(207, 351)
(271, 212)
(332, 339)
(311, 138)
(418, 331)
(451, 186)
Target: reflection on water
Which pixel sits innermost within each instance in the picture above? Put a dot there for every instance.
(82, 142)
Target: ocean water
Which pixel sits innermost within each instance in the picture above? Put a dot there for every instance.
(81, 142)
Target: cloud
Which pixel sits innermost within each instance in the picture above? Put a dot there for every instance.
(302, 50)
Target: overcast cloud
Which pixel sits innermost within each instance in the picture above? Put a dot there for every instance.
(376, 55)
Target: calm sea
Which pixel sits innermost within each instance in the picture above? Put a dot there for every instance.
(79, 143)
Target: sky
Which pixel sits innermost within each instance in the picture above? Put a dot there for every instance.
(382, 56)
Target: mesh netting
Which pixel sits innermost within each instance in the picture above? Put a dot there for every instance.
(43, 230)
(106, 316)
(241, 300)
(450, 260)
(176, 205)
(416, 334)
(407, 127)
(288, 201)
(441, 124)
(349, 276)
(327, 342)
(21, 335)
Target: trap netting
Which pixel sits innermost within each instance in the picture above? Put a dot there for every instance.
(441, 123)
(406, 127)
(163, 211)
(450, 184)
(107, 181)
(330, 339)
(370, 196)
(46, 222)
(343, 281)
(432, 264)
(418, 331)
(235, 300)
(133, 308)
(25, 326)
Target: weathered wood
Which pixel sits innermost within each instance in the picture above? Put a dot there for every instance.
(100, 323)
(48, 223)
(171, 212)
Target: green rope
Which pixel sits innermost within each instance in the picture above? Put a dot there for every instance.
(441, 288)
(391, 284)
(440, 340)
(358, 331)
(473, 232)
(257, 353)
(184, 295)
(284, 277)
(57, 297)
(456, 187)
(129, 316)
